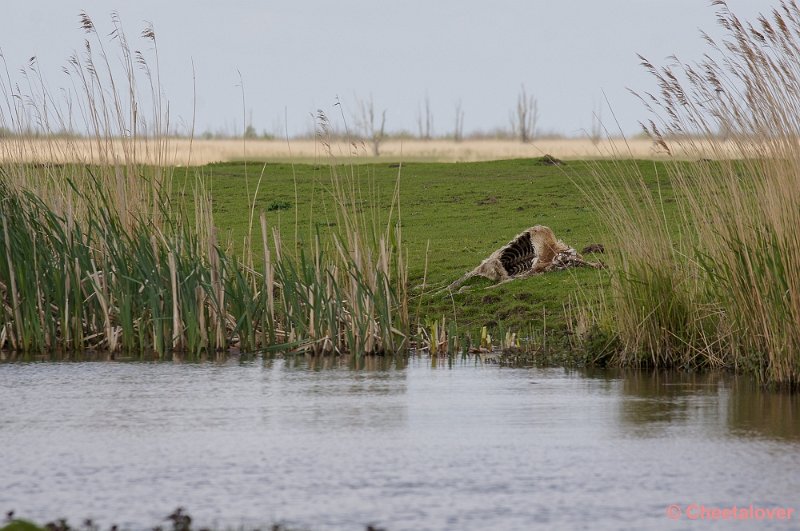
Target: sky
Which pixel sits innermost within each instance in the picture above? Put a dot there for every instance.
(287, 59)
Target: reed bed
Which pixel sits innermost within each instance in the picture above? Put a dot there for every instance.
(720, 288)
(118, 252)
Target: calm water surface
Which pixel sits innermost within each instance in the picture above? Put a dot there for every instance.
(328, 445)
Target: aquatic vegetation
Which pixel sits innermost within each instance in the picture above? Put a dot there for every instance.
(720, 288)
(125, 254)
(179, 519)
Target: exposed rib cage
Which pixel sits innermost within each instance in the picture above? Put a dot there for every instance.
(519, 255)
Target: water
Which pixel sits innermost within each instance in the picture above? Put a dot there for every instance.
(326, 445)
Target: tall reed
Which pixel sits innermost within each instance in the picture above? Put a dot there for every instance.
(722, 287)
(104, 254)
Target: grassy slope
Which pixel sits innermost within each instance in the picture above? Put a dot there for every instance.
(465, 211)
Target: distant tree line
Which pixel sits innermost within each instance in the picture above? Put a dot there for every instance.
(368, 124)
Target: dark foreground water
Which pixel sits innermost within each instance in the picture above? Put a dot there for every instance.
(450, 446)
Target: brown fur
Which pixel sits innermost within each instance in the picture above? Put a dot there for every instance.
(546, 245)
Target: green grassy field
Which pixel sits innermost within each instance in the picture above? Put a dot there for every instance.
(453, 216)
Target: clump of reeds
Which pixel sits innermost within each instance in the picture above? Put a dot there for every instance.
(103, 255)
(721, 288)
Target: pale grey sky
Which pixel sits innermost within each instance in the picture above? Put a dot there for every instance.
(297, 56)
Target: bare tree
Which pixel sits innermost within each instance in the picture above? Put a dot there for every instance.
(250, 131)
(425, 120)
(458, 131)
(367, 125)
(596, 133)
(523, 121)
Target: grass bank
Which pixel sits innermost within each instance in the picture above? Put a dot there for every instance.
(216, 221)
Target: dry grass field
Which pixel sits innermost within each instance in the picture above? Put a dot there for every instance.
(183, 152)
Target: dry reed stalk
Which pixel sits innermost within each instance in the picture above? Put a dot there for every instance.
(269, 273)
(100, 286)
(177, 324)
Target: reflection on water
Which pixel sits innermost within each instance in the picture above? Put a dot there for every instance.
(660, 401)
(333, 443)
(754, 411)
